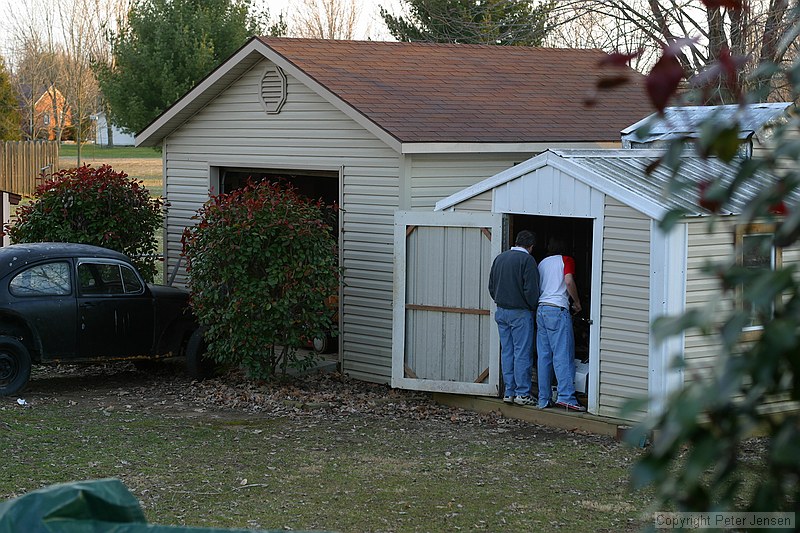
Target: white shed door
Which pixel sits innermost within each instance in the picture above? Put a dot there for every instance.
(444, 337)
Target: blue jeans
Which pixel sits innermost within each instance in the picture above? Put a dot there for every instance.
(555, 344)
(516, 348)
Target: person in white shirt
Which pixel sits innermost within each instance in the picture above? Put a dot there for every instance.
(555, 340)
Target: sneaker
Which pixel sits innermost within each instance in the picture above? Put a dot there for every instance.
(572, 407)
(508, 399)
(524, 400)
(548, 405)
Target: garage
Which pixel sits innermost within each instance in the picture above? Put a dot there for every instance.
(381, 127)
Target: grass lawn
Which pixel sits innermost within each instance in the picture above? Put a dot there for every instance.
(93, 151)
(384, 464)
(139, 163)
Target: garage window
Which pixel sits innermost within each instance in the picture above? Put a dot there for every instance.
(755, 251)
(48, 279)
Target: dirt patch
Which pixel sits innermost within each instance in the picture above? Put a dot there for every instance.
(330, 396)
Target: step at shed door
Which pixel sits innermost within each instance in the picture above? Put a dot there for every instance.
(444, 337)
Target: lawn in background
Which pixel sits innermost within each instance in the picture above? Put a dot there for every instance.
(142, 164)
(95, 151)
(139, 163)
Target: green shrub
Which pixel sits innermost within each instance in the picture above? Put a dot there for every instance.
(262, 261)
(94, 206)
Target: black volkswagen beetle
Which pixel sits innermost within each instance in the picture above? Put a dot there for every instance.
(74, 303)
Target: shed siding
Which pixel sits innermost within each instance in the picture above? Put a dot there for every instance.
(624, 319)
(765, 148)
(707, 243)
(434, 177)
(481, 203)
(545, 191)
(309, 132)
(713, 243)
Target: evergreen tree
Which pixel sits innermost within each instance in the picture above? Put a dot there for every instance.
(504, 22)
(166, 47)
(9, 109)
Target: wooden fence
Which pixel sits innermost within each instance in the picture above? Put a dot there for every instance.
(23, 163)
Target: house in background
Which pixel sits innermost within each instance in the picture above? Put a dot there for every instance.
(51, 114)
(382, 127)
(108, 134)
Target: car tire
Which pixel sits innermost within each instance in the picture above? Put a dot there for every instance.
(198, 366)
(15, 366)
(324, 344)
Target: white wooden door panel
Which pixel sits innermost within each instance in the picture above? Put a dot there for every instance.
(444, 339)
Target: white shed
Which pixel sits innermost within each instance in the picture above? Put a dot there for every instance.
(629, 271)
(755, 123)
(381, 127)
(110, 134)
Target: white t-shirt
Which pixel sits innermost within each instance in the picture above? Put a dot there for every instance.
(553, 288)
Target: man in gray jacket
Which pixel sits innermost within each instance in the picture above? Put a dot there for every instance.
(514, 287)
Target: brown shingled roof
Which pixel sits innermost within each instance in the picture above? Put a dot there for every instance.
(427, 92)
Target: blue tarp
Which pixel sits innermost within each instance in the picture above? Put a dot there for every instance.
(96, 506)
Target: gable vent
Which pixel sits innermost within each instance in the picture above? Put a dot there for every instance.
(273, 89)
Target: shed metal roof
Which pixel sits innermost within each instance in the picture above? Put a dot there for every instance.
(685, 121)
(415, 93)
(623, 175)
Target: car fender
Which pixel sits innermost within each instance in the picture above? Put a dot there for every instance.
(15, 325)
(174, 336)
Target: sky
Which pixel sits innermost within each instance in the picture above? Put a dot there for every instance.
(370, 24)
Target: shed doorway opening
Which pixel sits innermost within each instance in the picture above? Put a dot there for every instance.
(322, 185)
(576, 234)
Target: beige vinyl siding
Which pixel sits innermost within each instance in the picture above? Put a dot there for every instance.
(434, 177)
(308, 133)
(481, 203)
(766, 149)
(791, 256)
(625, 304)
(707, 243)
(716, 243)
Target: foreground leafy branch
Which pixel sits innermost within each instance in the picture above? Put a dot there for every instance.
(694, 462)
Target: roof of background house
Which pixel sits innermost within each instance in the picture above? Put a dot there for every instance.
(441, 93)
(685, 121)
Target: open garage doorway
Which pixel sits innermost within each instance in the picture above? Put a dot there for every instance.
(313, 184)
(321, 185)
(576, 234)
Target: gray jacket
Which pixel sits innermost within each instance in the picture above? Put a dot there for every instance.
(514, 280)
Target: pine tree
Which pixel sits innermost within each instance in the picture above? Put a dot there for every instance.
(503, 22)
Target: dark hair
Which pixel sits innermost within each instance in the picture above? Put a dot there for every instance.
(555, 246)
(525, 239)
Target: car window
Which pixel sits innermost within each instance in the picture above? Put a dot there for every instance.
(48, 279)
(131, 282)
(108, 278)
